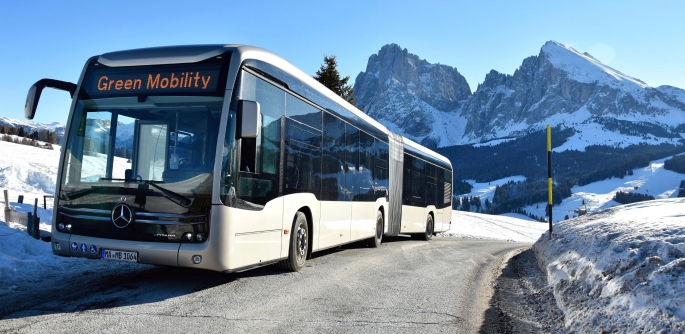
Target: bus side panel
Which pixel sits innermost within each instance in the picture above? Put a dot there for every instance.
(334, 227)
(291, 204)
(256, 234)
(363, 220)
(447, 218)
(437, 219)
(413, 219)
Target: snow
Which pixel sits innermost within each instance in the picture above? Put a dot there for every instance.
(494, 142)
(35, 126)
(652, 180)
(33, 177)
(586, 69)
(481, 226)
(621, 269)
(618, 269)
(673, 92)
(486, 190)
(32, 172)
(594, 134)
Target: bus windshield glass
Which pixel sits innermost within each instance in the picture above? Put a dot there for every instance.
(131, 127)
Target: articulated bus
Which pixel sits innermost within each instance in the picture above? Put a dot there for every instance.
(227, 157)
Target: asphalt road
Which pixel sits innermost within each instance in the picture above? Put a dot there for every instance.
(406, 286)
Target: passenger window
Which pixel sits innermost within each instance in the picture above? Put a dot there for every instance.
(302, 112)
(352, 162)
(366, 183)
(260, 157)
(333, 171)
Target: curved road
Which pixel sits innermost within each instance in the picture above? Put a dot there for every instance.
(443, 285)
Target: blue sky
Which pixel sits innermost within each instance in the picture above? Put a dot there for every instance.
(52, 39)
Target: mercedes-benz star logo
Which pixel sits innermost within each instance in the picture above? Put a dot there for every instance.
(122, 215)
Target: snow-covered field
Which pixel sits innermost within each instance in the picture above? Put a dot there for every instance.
(480, 226)
(29, 171)
(620, 270)
(486, 190)
(32, 172)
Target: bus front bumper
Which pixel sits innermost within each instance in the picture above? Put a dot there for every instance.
(158, 253)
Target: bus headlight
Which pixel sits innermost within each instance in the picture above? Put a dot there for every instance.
(188, 237)
(200, 237)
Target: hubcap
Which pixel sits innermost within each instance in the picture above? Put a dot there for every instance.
(379, 229)
(302, 241)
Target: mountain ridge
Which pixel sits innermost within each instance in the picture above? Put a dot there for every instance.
(558, 86)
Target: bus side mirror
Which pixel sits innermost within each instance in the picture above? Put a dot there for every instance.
(249, 119)
(37, 88)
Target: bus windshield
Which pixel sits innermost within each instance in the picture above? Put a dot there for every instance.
(165, 139)
(145, 125)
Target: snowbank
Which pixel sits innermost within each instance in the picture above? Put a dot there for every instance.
(620, 270)
(25, 261)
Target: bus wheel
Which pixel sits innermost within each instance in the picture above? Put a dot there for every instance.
(429, 229)
(378, 237)
(299, 244)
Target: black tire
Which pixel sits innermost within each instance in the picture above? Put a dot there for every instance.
(429, 229)
(378, 237)
(299, 244)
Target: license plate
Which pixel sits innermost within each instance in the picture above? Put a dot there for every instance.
(118, 255)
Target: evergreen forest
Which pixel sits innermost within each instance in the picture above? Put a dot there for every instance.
(527, 156)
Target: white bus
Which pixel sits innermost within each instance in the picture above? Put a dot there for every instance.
(227, 157)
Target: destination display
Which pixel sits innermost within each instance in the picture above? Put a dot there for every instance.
(152, 80)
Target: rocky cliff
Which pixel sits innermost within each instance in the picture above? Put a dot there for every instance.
(433, 105)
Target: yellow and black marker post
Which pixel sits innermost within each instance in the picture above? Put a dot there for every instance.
(549, 177)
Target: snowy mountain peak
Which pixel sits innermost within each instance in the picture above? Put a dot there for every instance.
(584, 68)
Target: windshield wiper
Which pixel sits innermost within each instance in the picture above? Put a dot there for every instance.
(173, 195)
(178, 197)
(77, 194)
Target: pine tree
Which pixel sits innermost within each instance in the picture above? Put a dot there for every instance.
(52, 137)
(329, 76)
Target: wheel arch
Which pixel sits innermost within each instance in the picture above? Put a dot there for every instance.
(382, 210)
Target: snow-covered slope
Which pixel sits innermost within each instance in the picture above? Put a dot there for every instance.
(621, 270)
(486, 190)
(27, 170)
(481, 226)
(652, 180)
(584, 68)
